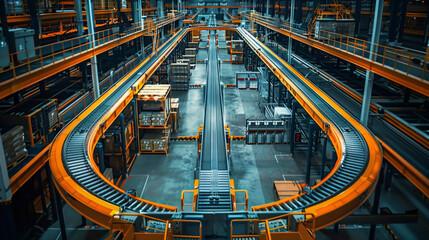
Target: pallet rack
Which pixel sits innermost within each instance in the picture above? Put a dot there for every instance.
(180, 75)
(153, 107)
(236, 50)
(119, 143)
(39, 118)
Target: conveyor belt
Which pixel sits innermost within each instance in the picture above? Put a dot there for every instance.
(75, 150)
(213, 192)
(355, 152)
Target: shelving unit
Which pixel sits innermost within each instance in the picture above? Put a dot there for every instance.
(154, 107)
(119, 146)
(236, 51)
(180, 75)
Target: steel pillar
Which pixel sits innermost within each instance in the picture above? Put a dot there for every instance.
(273, 9)
(286, 9)
(7, 35)
(268, 15)
(42, 192)
(334, 158)
(34, 16)
(100, 151)
(118, 8)
(160, 8)
(369, 77)
(90, 21)
(292, 126)
(357, 16)
(79, 17)
(311, 128)
(292, 14)
(52, 194)
(324, 147)
(134, 9)
(376, 202)
(61, 216)
(404, 8)
(124, 147)
(393, 20)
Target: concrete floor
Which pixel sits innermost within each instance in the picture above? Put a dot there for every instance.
(161, 178)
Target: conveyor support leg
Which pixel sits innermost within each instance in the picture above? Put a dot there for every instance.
(292, 127)
(311, 128)
(376, 201)
(322, 167)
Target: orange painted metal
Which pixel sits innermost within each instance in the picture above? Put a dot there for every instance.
(23, 175)
(406, 169)
(85, 203)
(399, 77)
(339, 206)
(23, 81)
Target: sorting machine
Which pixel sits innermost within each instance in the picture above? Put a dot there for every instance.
(344, 189)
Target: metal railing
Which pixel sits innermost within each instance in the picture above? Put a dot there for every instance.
(410, 64)
(182, 200)
(191, 225)
(246, 199)
(285, 226)
(26, 61)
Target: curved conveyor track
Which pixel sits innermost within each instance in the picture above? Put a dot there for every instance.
(355, 150)
(348, 185)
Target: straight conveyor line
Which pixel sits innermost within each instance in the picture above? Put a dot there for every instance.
(214, 192)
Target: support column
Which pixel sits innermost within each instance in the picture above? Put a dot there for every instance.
(52, 194)
(292, 13)
(160, 8)
(369, 77)
(90, 21)
(292, 127)
(311, 128)
(118, 7)
(393, 20)
(100, 151)
(298, 17)
(61, 216)
(124, 147)
(268, 15)
(324, 147)
(34, 21)
(286, 9)
(404, 8)
(357, 16)
(42, 192)
(79, 17)
(135, 11)
(273, 9)
(375, 204)
(7, 35)
(334, 158)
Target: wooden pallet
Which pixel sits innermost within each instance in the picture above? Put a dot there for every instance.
(286, 189)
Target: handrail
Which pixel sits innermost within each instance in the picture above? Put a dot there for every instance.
(182, 200)
(408, 69)
(338, 205)
(178, 236)
(309, 217)
(246, 199)
(61, 50)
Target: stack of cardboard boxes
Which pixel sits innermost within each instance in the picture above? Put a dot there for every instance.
(14, 146)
